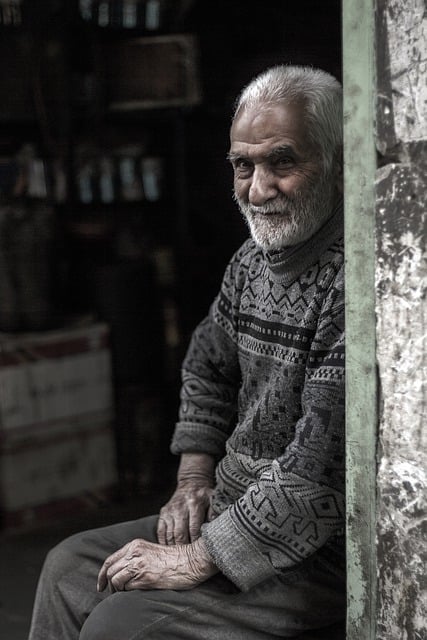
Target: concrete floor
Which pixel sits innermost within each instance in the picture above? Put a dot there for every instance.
(22, 555)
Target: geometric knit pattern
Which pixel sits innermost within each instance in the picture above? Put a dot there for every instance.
(263, 391)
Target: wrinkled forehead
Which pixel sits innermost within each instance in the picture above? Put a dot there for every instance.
(270, 125)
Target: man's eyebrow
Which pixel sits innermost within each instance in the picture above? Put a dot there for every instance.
(231, 156)
(275, 153)
(283, 150)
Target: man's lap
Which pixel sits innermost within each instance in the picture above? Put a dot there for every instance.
(214, 610)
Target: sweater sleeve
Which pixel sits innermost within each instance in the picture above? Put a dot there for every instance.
(211, 373)
(298, 502)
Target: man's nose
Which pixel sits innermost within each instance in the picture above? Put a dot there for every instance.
(263, 187)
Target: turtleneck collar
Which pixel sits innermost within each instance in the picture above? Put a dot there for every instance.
(288, 263)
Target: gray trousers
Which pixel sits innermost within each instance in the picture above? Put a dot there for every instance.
(68, 607)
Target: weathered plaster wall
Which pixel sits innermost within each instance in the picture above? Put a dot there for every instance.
(401, 318)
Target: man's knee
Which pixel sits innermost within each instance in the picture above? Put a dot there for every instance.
(60, 557)
(98, 626)
(112, 620)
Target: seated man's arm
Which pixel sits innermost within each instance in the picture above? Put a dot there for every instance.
(210, 385)
(296, 507)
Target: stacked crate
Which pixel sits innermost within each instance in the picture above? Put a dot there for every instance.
(57, 446)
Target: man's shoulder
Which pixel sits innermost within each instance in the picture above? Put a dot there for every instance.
(240, 264)
(244, 255)
(247, 250)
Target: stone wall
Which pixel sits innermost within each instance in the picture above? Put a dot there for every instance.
(401, 34)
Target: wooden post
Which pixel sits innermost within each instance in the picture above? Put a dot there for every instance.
(361, 402)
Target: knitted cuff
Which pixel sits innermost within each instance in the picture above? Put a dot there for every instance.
(234, 554)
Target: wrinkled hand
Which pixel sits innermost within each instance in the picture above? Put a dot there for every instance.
(181, 517)
(145, 565)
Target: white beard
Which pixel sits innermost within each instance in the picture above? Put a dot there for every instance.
(288, 221)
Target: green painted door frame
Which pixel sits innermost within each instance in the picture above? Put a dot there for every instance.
(358, 19)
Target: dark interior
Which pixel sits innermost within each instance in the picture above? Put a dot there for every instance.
(101, 84)
(116, 207)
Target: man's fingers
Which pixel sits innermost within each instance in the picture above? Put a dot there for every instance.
(102, 576)
(102, 583)
(108, 564)
(180, 530)
(121, 578)
(165, 530)
(173, 530)
(181, 535)
(195, 521)
(116, 573)
(161, 530)
(197, 516)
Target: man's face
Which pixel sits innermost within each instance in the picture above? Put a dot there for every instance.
(279, 182)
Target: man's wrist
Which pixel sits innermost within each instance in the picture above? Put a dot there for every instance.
(196, 469)
(201, 562)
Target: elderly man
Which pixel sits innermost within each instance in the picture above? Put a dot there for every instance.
(251, 543)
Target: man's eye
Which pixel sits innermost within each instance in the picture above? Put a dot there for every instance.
(242, 168)
(283, 161)
(241, 164)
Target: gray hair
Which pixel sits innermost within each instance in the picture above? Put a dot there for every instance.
(321, 94)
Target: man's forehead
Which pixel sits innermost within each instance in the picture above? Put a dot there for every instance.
(273, 126)
(262, 150)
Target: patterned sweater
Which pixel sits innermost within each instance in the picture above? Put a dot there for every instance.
(263, 392)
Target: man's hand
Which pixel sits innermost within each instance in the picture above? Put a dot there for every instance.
(181, 517)
(145, 565)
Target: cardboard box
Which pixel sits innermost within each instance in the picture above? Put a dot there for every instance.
(57, 444)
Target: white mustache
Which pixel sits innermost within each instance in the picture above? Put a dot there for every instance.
(276, 207)
(265, 212)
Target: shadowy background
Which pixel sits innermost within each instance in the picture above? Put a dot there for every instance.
(116, 223)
